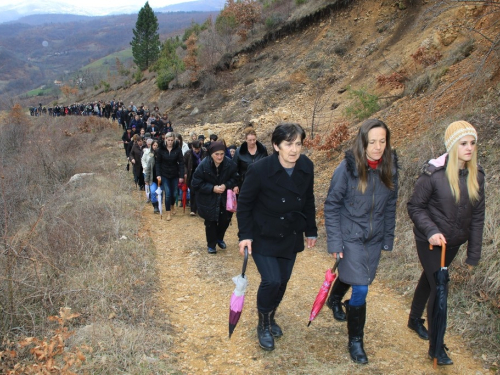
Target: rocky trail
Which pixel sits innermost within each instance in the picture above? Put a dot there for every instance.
(194, 298)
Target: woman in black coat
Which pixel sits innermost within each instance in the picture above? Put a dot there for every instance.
(169, 170)
(135, 157)
(211, 180)
(275, 208)
(249, 152)
(447, 206)
(360, 218)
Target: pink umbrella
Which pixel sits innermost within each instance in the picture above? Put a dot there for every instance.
(323, 291)
(238, 296)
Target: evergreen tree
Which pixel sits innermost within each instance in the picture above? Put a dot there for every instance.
(146, 41)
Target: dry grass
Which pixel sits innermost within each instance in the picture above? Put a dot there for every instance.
(76, 244)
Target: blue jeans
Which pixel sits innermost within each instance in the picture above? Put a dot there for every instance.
(358, 295)
(169, 186)
(152, 192)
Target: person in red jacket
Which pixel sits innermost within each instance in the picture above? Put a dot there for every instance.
(447, 206)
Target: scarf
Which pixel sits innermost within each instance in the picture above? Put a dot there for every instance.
(197, 156)
(374, 164)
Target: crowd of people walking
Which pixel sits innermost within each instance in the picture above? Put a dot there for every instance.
(276, 210)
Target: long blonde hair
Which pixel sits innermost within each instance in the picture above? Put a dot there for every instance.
(452, 173)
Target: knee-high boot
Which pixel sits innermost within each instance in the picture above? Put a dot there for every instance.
(275, 328)
(266, 339)
(356, 318)
(334, 302)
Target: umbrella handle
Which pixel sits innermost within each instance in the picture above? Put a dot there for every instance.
(443, 253)
(337, 261)
(245, 261)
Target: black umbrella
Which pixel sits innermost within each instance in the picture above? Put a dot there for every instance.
(440, 311)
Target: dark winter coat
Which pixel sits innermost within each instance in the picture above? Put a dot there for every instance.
(136, 154)
(358, 224)
(242, 158)
(127, 139)
(205, 177)
(190, 164)
(433, 209)
(169, 164)
(275, 209)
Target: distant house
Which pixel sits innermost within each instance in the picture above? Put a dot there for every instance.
(58, 83)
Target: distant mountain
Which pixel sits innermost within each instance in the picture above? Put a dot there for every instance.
(34, 54)
(201, 6)
(40, 12)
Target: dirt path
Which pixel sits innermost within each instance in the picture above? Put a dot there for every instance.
(196, 288)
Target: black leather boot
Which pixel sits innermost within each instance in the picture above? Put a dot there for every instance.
(356, 318)
(417, 325)
(266, 339)
(334, 302)
(275, 328)
(442, 356)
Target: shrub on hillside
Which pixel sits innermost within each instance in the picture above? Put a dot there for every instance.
(364, 104)
(394, 80)
(329, 141)
(164, 78)
(426, 57)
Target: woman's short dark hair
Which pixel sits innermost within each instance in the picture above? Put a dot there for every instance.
(287, 131)
(195, 144)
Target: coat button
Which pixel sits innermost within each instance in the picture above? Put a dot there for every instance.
(281, 235)
(298, 198)
(282, 218)
(283, 200)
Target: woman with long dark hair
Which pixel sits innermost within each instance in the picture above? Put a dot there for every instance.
(275, 210)
(360, 216)
(446, 207)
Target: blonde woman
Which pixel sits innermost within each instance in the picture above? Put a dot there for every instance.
(447, 206)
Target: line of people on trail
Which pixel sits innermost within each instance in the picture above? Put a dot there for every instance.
(276, 214)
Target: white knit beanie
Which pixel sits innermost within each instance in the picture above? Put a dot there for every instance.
(457, 130)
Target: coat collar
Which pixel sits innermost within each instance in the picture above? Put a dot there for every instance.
(281, 177)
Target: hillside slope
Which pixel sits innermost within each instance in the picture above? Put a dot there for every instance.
(303, 77)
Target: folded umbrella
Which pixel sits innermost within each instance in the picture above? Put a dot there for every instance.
(159, 194)
(184, 189)
(440, 310)
(238, 296)
(323, 291)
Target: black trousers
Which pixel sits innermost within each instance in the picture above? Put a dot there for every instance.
(215, 230)
(274, 273)
(426, 287)
(192, 200)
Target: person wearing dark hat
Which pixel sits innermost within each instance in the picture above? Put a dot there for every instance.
(232, 150)
(211, 180)
(447, 207)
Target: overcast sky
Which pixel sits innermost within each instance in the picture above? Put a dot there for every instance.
(112, 3)
(122, 3)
